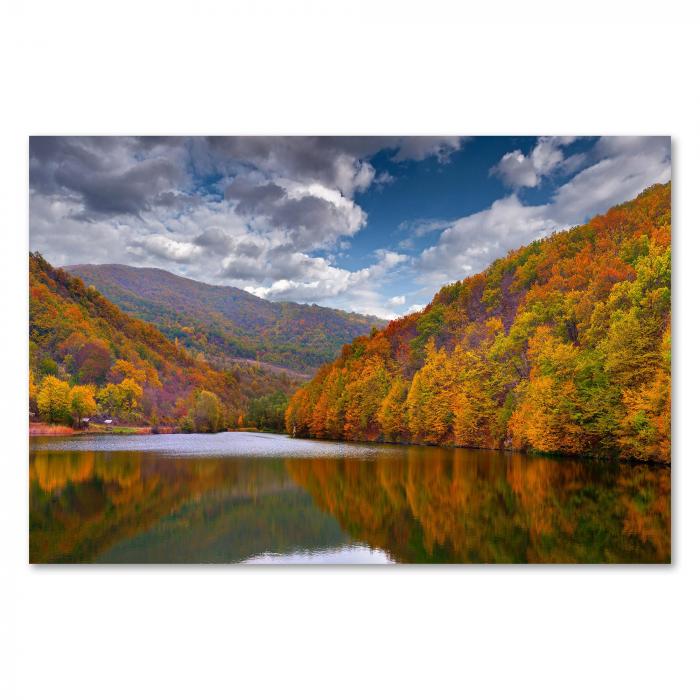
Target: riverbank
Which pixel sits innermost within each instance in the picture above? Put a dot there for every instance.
(48, 429)
(43, 429)
(589, 457)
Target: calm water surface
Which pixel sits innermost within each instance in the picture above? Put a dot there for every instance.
(246, 497)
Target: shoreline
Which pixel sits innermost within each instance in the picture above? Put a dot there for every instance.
(48, 430)
(500, 450)
(55, 430)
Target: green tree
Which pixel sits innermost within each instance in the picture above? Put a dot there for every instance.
(267, 412)
(207, 412)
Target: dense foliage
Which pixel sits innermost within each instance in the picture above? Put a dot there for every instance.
(87, 358)
(267, 412)
(223, 322)
(561, 346)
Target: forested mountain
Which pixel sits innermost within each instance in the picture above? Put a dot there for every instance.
(224, 322)
(561, 346)
(88, 357)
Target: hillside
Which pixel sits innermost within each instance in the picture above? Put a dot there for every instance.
(123, 366)
(224, 322)
(561, 346)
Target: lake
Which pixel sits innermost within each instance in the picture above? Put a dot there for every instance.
(261, 498)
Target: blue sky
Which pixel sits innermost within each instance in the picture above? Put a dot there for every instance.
(368, 224)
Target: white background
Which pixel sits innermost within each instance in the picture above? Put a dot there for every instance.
(357, 67)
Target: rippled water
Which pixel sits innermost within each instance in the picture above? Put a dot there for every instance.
(268, 499)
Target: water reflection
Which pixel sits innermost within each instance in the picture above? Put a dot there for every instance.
(290, 502)
(479, 506)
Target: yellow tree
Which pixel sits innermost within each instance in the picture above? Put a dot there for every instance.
(131, 393)
(53, 399)
(364, 396)
(430, 397)
(120, 399)
(548, 416)
(122, 369)
(645, 428)
(82, 401)
(472, 402)
(329, 414)
(392, 412)
(109, 399)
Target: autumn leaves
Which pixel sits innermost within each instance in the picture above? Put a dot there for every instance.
(562, 346)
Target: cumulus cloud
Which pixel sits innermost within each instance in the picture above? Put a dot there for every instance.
(106, 176)
(267, 213)
(166, 248)
(420, 147)
(519, 170)
(314, 215)
(314, 280)
(339, 162)
(470, 243)
(619, 169)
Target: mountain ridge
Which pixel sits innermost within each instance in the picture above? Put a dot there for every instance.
(227, 323)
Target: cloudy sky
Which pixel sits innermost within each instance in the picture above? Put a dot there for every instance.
(369, 224)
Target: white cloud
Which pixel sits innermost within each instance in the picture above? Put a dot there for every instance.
(166, 248)
(399, 300)
(315, 280)
(421, 147)
(621, 169)
(340, 162)
(472, 242)
(518, 170)
(415, 307)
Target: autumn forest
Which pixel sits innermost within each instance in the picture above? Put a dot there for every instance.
(88, 359)
(563, 346)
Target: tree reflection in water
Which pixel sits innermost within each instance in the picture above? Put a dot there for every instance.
(440, 505)
(417, 504)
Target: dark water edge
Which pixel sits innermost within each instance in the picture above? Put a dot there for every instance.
(267, 498)
(606, 459)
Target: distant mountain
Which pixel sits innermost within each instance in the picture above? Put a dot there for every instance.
(225, 323)
(80, 337)
(561, 346)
